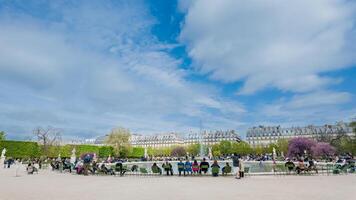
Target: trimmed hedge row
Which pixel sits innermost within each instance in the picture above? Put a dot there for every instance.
(137, 152)
(22, 149)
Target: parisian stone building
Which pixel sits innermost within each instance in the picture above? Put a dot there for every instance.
(175, 139)
(264, 135)
(156, 141)
(211, 137)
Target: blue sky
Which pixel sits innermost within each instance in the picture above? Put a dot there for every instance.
(165, 66)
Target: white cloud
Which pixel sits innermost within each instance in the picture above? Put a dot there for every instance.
(270, 43)
(315, 107)
(320, 98)
(90, 71)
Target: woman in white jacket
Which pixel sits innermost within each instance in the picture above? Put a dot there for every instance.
(242, 168)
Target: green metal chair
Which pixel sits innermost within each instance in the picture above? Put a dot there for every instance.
(226, 170)
(247, 170)
(215, 171)
(156, 170)
(143, 171)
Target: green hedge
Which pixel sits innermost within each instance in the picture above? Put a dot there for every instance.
(106, 151)
(20, 149)
(137, 152)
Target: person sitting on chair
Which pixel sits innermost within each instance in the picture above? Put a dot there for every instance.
(300, 167)
(155, 169)
(106, 170)
(134, 168)
(188, 167)
(30, 168)
(289, 165)
(195, 167)
(120, 168)
(312, 165)
(204, 166)
(168, 168)
(215, 168)
(226, 169)
(180, 166)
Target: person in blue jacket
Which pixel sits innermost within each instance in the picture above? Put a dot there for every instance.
(188, 167)
(180, 167)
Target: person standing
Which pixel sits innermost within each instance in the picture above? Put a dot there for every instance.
(235, 163)
(241, 168)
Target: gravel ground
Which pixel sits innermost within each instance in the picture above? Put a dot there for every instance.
(51, 185)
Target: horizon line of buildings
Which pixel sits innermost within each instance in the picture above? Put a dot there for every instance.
(255, 136)
(175, 139)
(265, 135)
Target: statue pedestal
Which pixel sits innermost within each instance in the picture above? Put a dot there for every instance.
(2, 160)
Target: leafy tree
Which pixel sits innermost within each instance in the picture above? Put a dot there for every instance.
(270, 147)
(216, 153)
(163, 151)
(119, 139)
(258, 150)
(323, 149)
(282, 146)
(216, 148)
(298, 146)
(193, 149)
(2, 135)
(344, 144)
(178, 152)
(225, 147)
(242, 148)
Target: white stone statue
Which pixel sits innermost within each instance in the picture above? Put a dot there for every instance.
(59, 157)
(95, 158)
(73, 157)
(274, 153)
(3, 153)
(145, 154)
(210, 154)
(2, 158)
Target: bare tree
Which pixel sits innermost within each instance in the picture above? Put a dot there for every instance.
(47, 137)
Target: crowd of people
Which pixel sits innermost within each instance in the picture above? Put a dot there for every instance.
(89, 164)
(194, 168)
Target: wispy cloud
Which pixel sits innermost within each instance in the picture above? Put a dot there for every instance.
(271, 44)
(88, 71)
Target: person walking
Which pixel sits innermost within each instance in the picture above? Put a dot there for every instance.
(235, 163)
